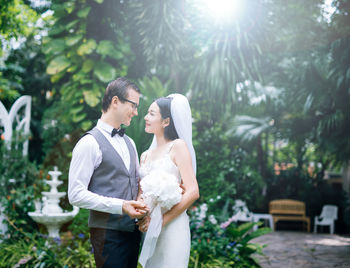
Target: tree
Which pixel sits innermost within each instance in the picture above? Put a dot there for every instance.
(84, 53)
(16, 20)
(24, 71)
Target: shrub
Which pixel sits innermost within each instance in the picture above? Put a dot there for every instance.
(41, 251)
(79, 225)
(225, 170)
(213, 246)
(17, 189)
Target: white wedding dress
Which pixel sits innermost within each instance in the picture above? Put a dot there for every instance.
(174, 242)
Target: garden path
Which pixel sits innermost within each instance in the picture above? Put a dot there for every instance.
(295, 249)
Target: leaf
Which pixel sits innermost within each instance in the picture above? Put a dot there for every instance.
(57, 29)
(86, 125)
(72, 69)
(71, 24)
(104, 72)
(106, 47)
(57, 65)
(87, 48)
(56, 77)
(69, 7)
(54, 46)
(77, 109)
(256, 233)
(79, 76)
(348, 74)
(83, 12)
(72, 40)
(99, 1)
(77, 118)
(92, 98)
(340, 81)
(87, 66)
(308, 103)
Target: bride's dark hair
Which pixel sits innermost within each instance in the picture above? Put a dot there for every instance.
(164, 104)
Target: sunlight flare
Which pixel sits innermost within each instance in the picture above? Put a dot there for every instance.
(223, 10)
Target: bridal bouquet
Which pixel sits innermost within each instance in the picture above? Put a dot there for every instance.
(161, 188)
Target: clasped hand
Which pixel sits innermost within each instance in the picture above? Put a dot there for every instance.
(135, 209)
(143, 223)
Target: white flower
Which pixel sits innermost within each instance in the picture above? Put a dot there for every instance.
(161, 188)
(212, 219)
(202, 211)
(203, 207)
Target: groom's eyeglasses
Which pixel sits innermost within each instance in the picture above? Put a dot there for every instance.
(134, 104)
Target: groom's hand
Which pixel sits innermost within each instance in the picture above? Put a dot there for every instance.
(135, 209)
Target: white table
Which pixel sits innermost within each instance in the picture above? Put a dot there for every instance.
(258, 216)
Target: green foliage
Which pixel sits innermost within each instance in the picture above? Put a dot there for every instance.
(151, 89)
(15, 16)
(27, 252)
(40, 251)
(79, 225)
(17, 189)
(217, 262)
(57, 133)
(231, 246)
(17, 19)
(24, 71)
(83, 55)
(225, 171)
(207, 240)
(161, 27)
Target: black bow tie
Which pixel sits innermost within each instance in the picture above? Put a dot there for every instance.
(120, 132)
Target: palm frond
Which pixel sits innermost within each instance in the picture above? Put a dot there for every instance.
(248, 128)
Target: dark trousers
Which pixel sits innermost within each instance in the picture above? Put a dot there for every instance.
(115, 249)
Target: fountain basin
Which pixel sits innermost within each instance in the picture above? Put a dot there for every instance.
(51, 214)
(53, 221)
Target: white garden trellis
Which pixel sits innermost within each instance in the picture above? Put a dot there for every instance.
(16, 121)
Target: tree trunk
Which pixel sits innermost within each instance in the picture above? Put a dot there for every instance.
(260, 151)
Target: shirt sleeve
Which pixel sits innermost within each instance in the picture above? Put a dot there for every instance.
(86, 157)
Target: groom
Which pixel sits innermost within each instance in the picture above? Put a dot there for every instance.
(103, 177)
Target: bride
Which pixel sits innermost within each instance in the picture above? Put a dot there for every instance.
(169, 119)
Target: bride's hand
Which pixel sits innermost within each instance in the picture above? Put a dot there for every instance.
(143, 223)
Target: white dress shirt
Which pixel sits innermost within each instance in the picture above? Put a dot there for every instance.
(86, 157)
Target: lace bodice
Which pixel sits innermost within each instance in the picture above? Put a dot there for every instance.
(164, 163)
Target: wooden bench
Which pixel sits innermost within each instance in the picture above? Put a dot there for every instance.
(288, 210)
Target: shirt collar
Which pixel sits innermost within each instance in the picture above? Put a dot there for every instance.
(104, 126)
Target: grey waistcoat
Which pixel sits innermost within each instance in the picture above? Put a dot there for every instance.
(113, 179)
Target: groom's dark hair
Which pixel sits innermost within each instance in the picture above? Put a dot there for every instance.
(164, 104)
(120, 88)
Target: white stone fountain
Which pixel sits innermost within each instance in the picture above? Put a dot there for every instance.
(50, 213)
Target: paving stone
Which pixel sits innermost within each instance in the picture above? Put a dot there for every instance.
(296, 249)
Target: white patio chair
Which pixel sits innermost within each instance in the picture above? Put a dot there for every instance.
(328, 216)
